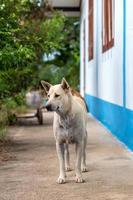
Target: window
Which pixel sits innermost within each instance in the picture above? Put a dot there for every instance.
(108, 25)
(91, 31)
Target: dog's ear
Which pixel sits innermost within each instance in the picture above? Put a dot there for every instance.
(64, 84)
(46, 86)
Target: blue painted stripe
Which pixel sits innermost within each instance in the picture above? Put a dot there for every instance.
(124, 53)
(116, 118)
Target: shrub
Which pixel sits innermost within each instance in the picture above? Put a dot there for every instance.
(13, 81)
(3, 121)
(10, 107)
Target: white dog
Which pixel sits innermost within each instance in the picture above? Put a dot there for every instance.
(70, 119)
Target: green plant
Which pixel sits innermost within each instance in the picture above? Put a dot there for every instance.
(3, 132)
(13, 106)
(27, 33)
(14, 81)
(3, 121)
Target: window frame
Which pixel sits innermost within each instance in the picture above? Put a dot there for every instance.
(90, 29)
(107, 25)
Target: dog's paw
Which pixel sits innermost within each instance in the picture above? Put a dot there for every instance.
(68, 169)
(61, 180)
(84, 169)
(79, 179)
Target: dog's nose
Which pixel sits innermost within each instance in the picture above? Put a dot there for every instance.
(48, 107)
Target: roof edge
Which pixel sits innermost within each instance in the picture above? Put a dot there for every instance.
(70, 9)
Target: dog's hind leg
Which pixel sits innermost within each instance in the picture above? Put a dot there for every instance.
(84, 166)
(67, 158)
(60, 152)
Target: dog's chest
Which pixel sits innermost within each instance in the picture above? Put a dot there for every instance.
(67, 130)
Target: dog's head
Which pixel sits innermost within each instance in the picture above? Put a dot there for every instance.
(58, 96)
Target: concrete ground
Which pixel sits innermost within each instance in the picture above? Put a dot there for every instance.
(32, 174)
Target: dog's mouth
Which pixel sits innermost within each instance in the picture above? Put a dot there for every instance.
(58, 108)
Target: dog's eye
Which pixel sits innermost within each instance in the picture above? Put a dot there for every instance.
(48, 95)
(57, 95)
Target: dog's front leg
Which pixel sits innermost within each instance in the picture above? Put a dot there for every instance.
(67, 158)
(60, 153)
(84, 166)
(79, 149)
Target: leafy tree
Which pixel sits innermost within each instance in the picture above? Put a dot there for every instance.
(27, 34)
(36, 43)
(24, 40)
(66, 58)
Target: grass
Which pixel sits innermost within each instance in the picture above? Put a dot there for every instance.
(8, 116)
(9, 109)
(3, 122)
(21, 109)
(3, 132)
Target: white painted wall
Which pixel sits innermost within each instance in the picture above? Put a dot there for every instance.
(129, 55)
(104, 74)
(90, 74)
(110, 64)
(83, 17)
(91, 67)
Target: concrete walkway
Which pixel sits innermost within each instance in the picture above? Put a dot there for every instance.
(32, 175)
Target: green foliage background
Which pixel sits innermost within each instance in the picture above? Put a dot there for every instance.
(28, 34)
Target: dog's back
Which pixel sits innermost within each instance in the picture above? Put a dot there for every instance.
(80, 99)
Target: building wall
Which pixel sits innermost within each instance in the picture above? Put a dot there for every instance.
(129, 54)
(108, 77)
(83, 49)
(108, 66)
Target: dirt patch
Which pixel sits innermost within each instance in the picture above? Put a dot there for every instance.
(5, 151)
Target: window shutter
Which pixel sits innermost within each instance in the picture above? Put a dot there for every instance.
(107, 32)
(91, 29)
